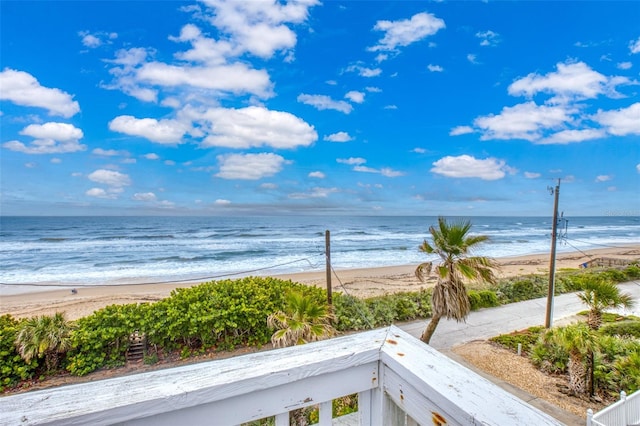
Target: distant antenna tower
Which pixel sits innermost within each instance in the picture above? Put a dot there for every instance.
(552, 262)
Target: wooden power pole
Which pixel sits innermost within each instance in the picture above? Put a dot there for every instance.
(327, 249)
(552, 261)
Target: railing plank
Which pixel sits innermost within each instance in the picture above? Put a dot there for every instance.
(464, 396)
(418, 380)
(152, 394)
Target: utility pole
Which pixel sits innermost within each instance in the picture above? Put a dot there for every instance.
(552, 262)
(327, 250)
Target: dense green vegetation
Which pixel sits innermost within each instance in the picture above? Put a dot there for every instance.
(222, 315)
(615, 346)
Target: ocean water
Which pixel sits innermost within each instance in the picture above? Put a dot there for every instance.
(45, 252)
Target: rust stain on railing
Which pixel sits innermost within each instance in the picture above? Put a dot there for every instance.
(437, 419)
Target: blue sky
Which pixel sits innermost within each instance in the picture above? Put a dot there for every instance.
(309, 107)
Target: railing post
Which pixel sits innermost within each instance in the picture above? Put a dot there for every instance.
(282, 419)
(623, 398)
(589, 417)
(326, 413)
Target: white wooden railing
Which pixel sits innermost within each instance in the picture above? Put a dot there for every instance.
(398, 379)
(625, 412)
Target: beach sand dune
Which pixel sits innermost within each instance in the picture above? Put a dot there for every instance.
(356, 282)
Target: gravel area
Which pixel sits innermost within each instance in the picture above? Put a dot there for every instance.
(519, 372)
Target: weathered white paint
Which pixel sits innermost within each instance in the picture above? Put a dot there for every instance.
(389, 369)
(422, 381)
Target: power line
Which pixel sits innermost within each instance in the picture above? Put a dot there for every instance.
(364, 317)
(596, 244)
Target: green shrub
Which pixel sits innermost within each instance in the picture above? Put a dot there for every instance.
(221, 314)
(405, 307)
(382, 310)
(102, 338)
(357, 314)
(626, 372)
(612, 366)
(547, 356)
(522, 288)
(527, 338)
(632, 272)
(483, 299)
(12, 367)
(351, 313)
(629, 328)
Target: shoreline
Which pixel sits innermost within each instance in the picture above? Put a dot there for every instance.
(361, 282)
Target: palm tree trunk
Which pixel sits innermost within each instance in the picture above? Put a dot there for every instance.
(431, 328)
(594, 319)
(577, 374)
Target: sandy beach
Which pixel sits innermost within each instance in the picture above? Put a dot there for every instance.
(357, 282)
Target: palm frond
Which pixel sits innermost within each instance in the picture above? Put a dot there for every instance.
(423, 271)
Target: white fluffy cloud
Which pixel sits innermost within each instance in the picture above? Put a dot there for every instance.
(249, 166)
(237, 78)
(252, 126)
(97, 39)
(435, 68)
(162, 131)
(620, 122)
(532, 175)
(259, 27)
(358, 166)
(22, 88)
(571, 136)
(634, 46)
(256, 28)
(108, 152)
(522, 121)
(466, 166)
(322, 102)
(488, 38)
(351, 160)
(571, 81)
(407, 31)
(50, 138)
(317, 175)
(317, 192)
(100, 193)
(338, 137)
(56, 131)
(364, 71)
(603, 178)
(461, 130)
(355, 96)
(144, 196)
(110, 178)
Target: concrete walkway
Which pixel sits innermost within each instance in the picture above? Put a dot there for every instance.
(490, 322)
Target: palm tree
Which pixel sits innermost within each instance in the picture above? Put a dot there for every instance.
(579, 342)
(453, 244)
(45, 335)
(601, 294)
(304, 320)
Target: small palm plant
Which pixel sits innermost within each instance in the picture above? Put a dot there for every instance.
(304, 320)
(578, 340)
(453, 244)
(601, 294)
(45, 335)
